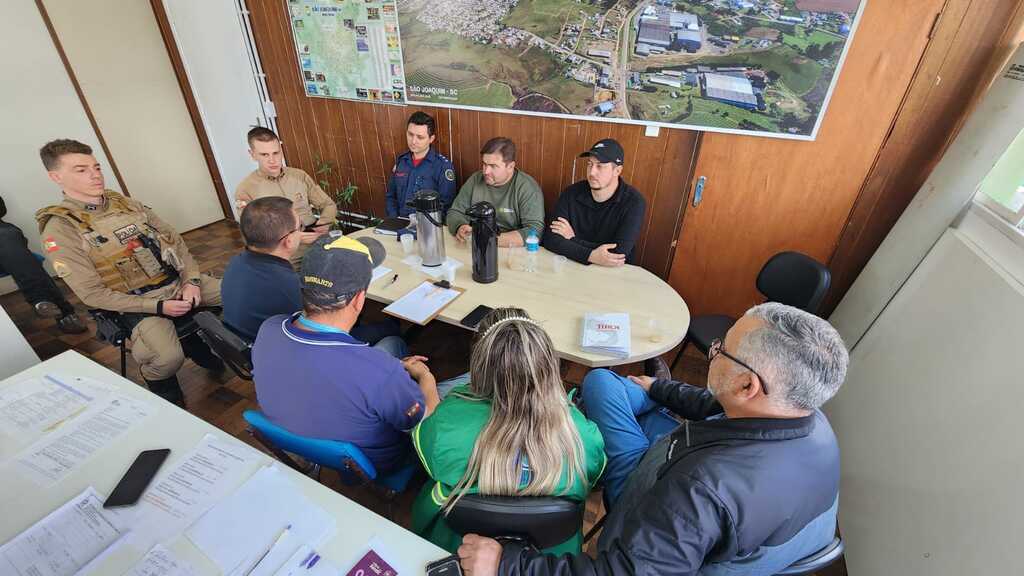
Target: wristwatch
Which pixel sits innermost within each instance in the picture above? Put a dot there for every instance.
(194, 281)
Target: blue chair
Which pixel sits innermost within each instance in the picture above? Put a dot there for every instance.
(352, 465)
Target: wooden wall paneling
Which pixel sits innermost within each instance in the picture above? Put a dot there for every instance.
(766, 195)
(665, 212)
(969, 46)
(647, 158)
(552, 145)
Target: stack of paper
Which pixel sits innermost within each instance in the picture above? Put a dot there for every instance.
(261, 526)
(606, 334)
(76, 535)
(182, 494)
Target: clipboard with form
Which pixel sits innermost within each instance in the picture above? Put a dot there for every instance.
(423, 303)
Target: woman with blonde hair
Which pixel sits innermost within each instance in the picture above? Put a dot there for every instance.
(510, 432)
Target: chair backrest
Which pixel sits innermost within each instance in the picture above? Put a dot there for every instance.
(794, 279)
(232, 349)
(543, 521)
(817, 561)
(335, 454)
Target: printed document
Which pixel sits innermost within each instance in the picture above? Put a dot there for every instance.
(160, 561)
(182, 494)
(56, 455)
(237, 532)
(68, 539)
(37, 405)
(422, 303)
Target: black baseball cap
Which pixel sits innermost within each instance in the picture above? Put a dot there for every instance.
(338, 267)
(607, 150)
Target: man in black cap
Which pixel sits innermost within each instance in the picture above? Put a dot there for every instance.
(598, 220)
(315, 379)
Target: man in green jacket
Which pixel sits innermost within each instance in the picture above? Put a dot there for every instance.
(516, 196)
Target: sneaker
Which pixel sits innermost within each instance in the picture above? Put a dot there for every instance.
(657, 368)
(71, 324)
(47, 309)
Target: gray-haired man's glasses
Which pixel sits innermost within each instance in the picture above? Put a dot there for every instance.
(716, 348)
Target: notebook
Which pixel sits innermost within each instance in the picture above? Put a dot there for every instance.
(606, 333)
(391, 226)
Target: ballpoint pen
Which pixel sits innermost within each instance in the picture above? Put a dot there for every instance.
(393, 280)
(277, 540)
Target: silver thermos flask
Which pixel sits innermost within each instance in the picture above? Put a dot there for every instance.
(429, 227)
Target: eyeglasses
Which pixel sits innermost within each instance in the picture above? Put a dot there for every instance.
(716, 348)
(297, 229)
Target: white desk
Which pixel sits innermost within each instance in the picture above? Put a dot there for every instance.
(557, 300)
(23, 503)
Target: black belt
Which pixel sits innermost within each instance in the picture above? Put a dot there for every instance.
(140, 291)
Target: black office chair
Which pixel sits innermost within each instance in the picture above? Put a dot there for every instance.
(234, 350)
(789, 278)
(116, 328)
(542, 521)
(817, 561)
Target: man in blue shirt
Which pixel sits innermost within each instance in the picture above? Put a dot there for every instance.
(260, 282)
(421, 168)
(315, 379)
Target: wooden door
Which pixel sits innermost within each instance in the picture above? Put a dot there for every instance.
(763, 195)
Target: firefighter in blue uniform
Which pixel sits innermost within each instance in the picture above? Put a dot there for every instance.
(420, 168)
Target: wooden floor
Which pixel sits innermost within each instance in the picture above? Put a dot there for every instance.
(222, 401)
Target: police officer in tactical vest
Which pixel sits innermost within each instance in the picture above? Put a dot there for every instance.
(117, 255)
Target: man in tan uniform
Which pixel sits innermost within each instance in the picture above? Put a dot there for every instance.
(273, 178)
(118, 256)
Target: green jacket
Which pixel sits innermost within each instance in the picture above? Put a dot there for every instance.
(444, 442)
(519, 204)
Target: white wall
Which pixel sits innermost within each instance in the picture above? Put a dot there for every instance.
(37, 104)
(15, 353)
(982, 141)
(121, 63)
(212, 45)
(929, 417)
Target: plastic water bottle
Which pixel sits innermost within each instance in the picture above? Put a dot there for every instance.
(532, 252)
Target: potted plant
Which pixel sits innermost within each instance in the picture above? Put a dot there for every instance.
(344, 197)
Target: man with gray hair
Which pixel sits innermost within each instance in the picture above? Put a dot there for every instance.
(747, 483)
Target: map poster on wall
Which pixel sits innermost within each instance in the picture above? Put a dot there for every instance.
(349, 49)
(764, 67)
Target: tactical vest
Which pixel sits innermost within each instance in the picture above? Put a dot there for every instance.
(116, 242)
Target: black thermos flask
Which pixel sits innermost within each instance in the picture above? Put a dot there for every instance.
(484, 243)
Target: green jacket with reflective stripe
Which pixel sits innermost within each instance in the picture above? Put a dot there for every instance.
(444, 441)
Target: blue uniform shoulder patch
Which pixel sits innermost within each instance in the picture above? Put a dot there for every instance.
(450, 175)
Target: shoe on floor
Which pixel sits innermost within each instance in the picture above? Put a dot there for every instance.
(47, 309)
(71, 324)
(657, 368)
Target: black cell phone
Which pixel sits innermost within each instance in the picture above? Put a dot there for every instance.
(134, 482)
(445, 567)
(474, 317)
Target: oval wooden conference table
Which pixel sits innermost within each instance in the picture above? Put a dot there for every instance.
(558, 300)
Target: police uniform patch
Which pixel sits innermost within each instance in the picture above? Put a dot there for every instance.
(413, 410)
(127, 233)
(449, 174)
(50, 245)
(62, 269)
